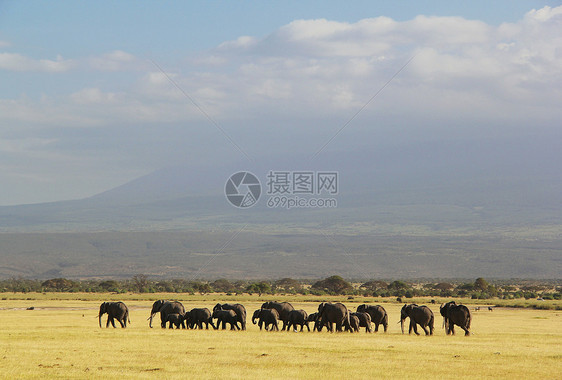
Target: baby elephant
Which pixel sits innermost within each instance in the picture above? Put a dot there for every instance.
(314, 318)
(199, 316)
(176, 319)
(266, 317)
(224, 317)
(364, 320)
(298, 318)
(353, 325)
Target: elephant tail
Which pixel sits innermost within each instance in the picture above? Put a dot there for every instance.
(128, 318)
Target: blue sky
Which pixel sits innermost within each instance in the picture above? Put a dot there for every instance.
(83, 106)
(179, 27)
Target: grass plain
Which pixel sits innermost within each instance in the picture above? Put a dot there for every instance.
(60, 338)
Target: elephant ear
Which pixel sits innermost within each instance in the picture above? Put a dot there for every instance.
(321, 307)
(157, 305)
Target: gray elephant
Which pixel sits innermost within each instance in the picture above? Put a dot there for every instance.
(239, 309)
(164, 308)
(114, 310)
(175, 319)
(298, 318)
(226, 316)
(333, 313)
(454, 314)
(419, 315)
(283, 308)
(267, 317)
(364, 320)
(353, 325)
(199, 316)
(378, 315)
(314, 318)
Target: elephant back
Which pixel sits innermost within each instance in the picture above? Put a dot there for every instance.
(283, 308)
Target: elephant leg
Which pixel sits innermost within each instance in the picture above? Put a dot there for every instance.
(123, 325)
(376, 327)
(425, 330)
(452, 328)
(113, 322)
(466, 332)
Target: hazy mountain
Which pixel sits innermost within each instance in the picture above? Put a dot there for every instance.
(430, 210)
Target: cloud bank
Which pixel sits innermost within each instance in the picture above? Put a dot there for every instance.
(299, 84)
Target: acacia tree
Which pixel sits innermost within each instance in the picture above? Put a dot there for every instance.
(481, 284)
(288, 285)
(333, 284)
(259, 287)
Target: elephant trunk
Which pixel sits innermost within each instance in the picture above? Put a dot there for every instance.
(402, 325)
(99, 317)
(150, 323)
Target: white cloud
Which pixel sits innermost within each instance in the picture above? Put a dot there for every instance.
(18, 62)
(116, 60)
(93, 96)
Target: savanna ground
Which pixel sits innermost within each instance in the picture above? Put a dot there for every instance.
(60, 338)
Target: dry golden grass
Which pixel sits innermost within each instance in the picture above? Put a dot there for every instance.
(61, 339)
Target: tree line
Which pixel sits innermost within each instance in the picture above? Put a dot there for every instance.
(333, 285)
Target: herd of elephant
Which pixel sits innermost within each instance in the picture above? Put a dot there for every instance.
(329, 315)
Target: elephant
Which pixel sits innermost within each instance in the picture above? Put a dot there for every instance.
(224, 317)
(176, 319)
(165, 308)
(378, 315)
(364, 320)
(333, 313)
(353, 324)
(419, 315)
(454, 314)
(114, 310)
(239, 309)
(283, 308)
(266, 317)
(314, 318)
(199, 316)
(298, 318)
